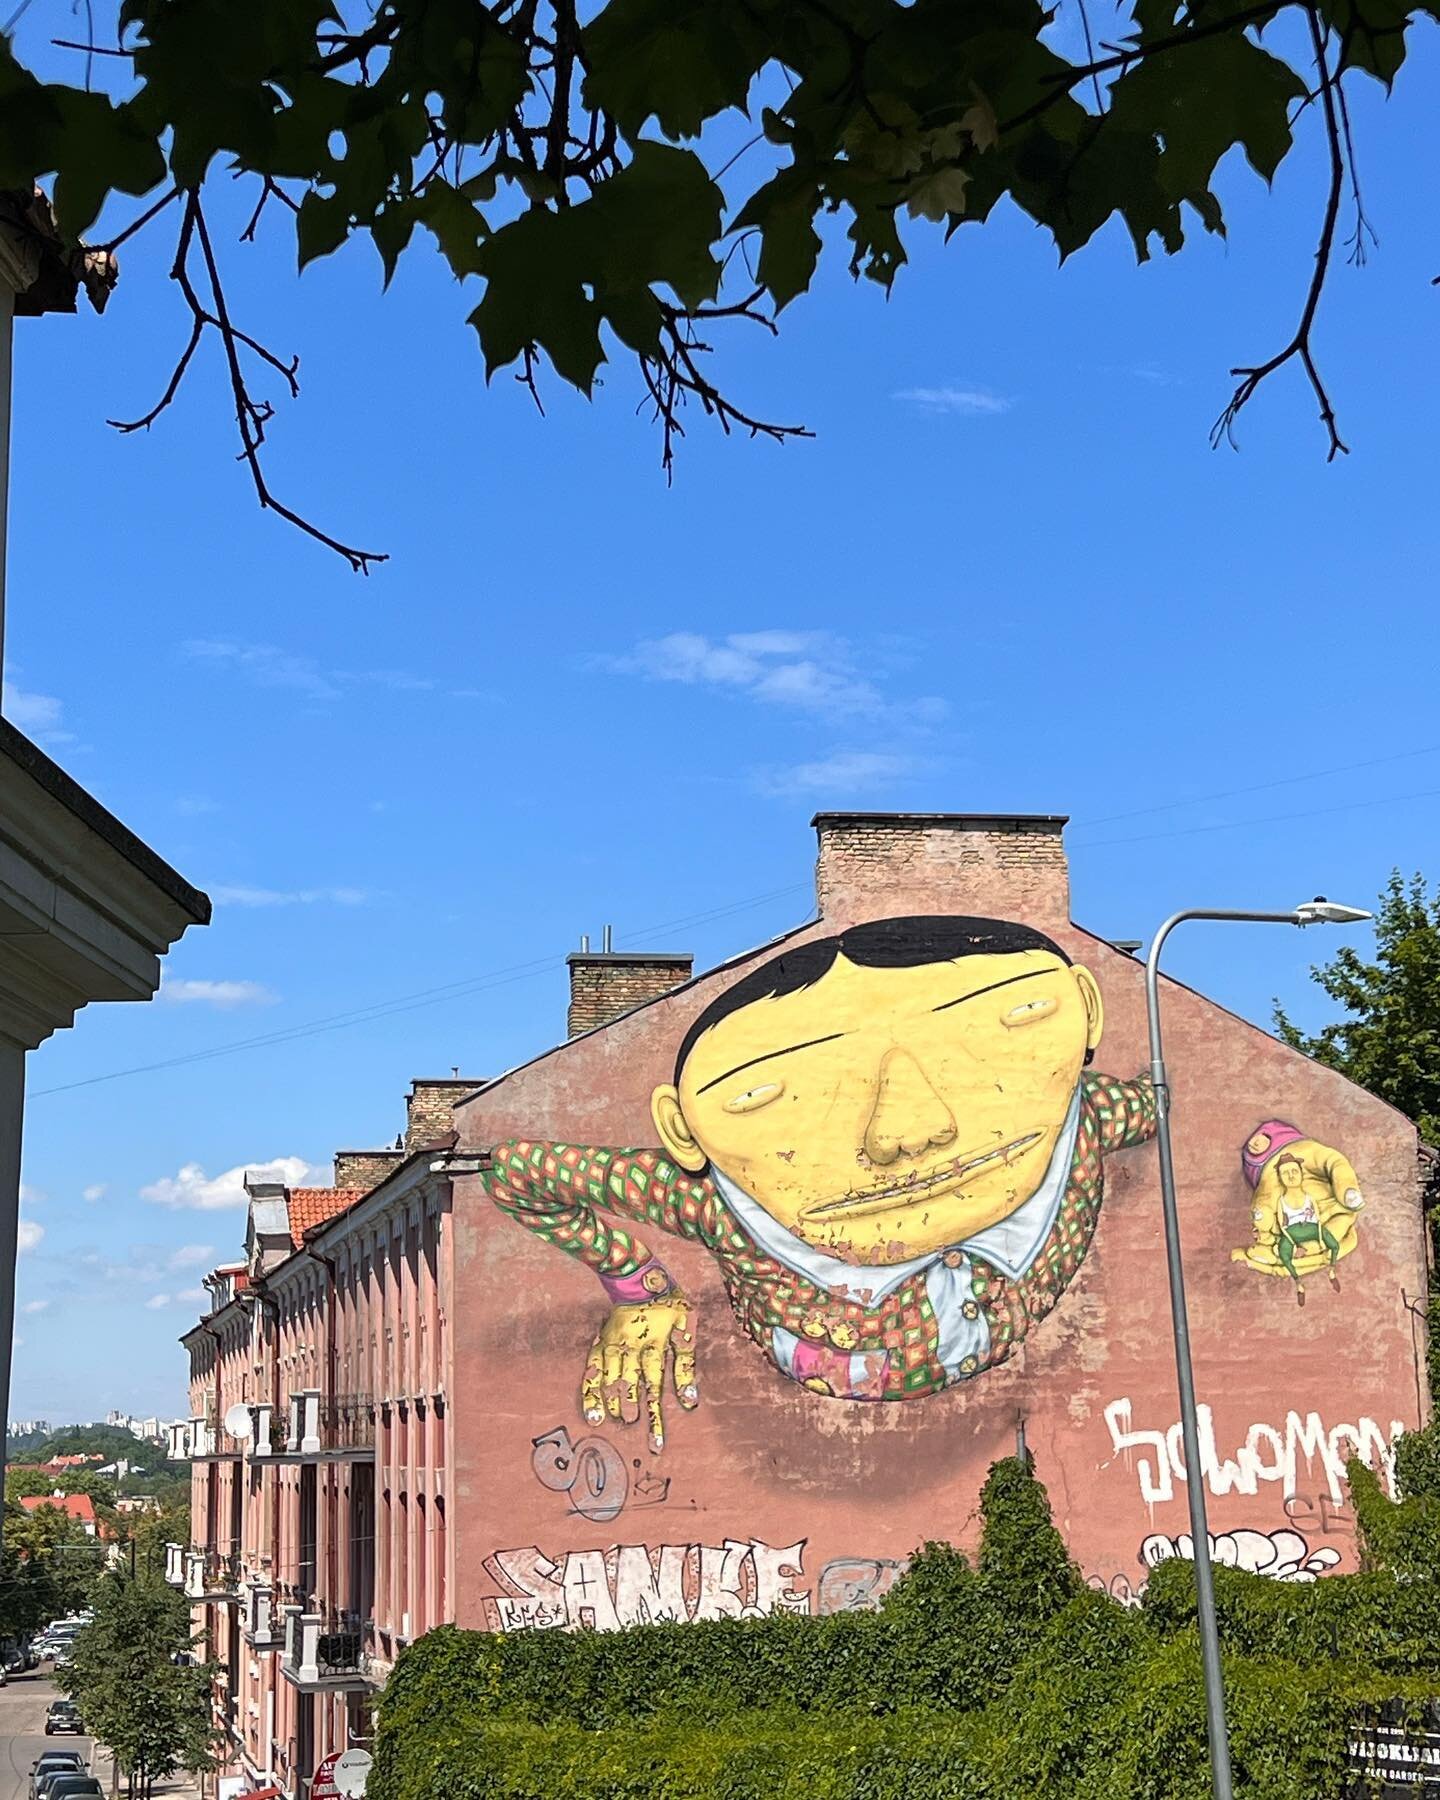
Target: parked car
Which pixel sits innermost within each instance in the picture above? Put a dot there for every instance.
(62, 1715)
(53, 1760)
(73, 1787)
(66, 1784)
(46, 1784)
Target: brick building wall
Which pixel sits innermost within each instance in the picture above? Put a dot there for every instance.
(365, 1169)
(606, 984)
(941, 862)
(429, 1109)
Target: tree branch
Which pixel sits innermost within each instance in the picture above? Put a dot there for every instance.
(1299, 345)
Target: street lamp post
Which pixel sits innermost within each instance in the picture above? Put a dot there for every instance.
(1313, 912)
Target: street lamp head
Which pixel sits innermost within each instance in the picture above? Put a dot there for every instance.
(1321, 911)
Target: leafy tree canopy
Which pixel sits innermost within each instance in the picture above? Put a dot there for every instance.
(152, 1712)
(1388, 1037)
(632, 178)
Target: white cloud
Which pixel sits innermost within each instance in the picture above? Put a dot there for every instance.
(191, 1256)
(966, 402)
(844, 773)
(268, 666)
(28, 1234)
(192, 1188)
(265, 664)
(809, 670)
(156, 1301)
(216, 993)
(96, 1191)
(31, 1196)
(258, 896)
(192, 1296)
(34, 1306)
(17, 1341)
(39, 716)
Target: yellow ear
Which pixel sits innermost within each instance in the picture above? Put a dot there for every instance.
(673, 1131)
(1094, 1005)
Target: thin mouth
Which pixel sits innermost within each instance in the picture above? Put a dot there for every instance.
(925, 1187)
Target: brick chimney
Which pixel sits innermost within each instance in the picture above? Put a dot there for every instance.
(429, 1107)
(365, 1169)
(606, 983)
(994, 865)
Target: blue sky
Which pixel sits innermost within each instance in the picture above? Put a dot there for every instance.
(1009, 573)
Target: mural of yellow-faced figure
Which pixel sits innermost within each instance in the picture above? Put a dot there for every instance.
(890, 1143)
(1303, 1214)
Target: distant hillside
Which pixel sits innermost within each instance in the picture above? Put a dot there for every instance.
(108, 1441)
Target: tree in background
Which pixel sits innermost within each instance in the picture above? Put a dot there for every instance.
(1389, 1037)
(152, 1711)
(638, 178)
(151, 1532)
(48, 1568)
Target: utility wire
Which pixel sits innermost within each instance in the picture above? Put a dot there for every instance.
(1318, 812)
(385, 1009)
(1258, 787)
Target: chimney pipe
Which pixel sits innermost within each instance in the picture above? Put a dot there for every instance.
(606, 945)
(584, 943)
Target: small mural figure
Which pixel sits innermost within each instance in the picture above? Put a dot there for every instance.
(889, 1141)
(1306, 1199)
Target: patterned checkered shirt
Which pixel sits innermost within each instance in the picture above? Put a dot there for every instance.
(886, 1351)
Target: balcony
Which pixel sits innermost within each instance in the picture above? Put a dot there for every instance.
(259, 1621)
(210, 1575)
(267, 1434)
(324, 1651)
(329, 1428)
(200, 1440)
(175, 1565)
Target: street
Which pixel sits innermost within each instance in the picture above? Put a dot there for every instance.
(22, 1732)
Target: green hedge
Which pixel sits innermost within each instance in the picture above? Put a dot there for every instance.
(1007, 1679)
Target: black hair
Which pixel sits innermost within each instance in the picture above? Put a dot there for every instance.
(907, 943)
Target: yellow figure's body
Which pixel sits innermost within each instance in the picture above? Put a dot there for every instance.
(1303, 1212)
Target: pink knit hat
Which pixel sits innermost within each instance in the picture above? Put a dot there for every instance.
(1279, 1133)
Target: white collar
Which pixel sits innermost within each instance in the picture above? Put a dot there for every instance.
(1011, 1244)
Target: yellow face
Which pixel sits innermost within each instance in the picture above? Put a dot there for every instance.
(882, 1114)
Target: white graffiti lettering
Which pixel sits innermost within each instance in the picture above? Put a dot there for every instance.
(1270, 1453)
(635, 1584)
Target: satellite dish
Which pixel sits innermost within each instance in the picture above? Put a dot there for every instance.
(350, 1772)
(237, 1421)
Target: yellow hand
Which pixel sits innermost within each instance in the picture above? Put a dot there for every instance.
(627, 1364)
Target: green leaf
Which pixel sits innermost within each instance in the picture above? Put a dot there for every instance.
(784, 211)
(105, 149)
(321, 226)
(678, 61)
(1203, 98)
(458, 226)
(535, 296)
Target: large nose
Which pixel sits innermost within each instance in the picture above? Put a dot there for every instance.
(908, 1116)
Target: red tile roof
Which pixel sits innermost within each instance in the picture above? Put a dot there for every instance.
(310, 1207)
(79, 1506)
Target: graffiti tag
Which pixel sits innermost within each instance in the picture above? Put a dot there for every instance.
(631, 1584)
(593, 1474)
(1270, 1453)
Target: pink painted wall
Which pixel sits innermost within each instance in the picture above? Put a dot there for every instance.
(859, 1485)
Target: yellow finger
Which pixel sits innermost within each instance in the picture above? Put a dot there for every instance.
(629, 1386)
(592, 1403)
(683, 1343)
(652, 1381)
(614, 1358)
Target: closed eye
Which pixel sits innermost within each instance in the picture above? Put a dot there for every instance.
(1028, 1011)
(756, 1097)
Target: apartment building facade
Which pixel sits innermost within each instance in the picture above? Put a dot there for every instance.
(512, 1374)
(320, 1382)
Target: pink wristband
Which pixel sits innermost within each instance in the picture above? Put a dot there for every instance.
(651, 1281)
